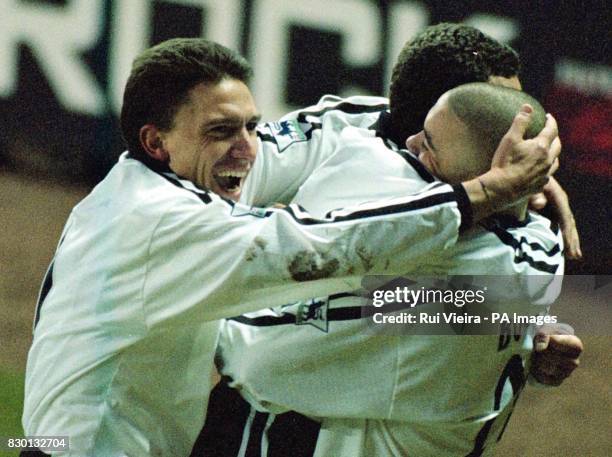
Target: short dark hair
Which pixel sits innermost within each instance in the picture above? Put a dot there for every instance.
(162, 77)
(488, 110)
(439, 58)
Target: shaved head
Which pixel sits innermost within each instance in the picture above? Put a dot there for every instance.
(488, 111)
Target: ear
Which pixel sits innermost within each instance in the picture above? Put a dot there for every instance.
(152, 142)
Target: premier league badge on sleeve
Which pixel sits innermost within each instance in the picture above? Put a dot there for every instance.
(239, 209)
(286, 133)
(313, 312)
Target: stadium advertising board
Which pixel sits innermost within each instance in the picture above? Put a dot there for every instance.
(63, 65)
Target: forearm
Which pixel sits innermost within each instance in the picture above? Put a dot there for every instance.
(493, 192)
(231, 261)
(486, 196)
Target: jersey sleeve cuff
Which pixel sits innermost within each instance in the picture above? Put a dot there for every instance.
(464, 206)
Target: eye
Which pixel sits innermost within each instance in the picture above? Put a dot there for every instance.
(222, 131)
(251, 126)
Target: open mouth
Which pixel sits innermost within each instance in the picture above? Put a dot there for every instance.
(230, 181)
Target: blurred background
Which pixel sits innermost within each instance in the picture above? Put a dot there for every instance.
(63, 64)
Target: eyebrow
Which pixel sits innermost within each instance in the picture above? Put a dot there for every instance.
(428, 138)
(229, 120)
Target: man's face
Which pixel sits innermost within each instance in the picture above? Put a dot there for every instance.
(212, 141)
(444, 146)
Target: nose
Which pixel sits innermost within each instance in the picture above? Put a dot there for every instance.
(413, 143)
(245, 145)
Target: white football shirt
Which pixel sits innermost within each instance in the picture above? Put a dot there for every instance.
(127, 321)
(395, 395)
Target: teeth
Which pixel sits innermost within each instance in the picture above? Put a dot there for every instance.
(232, 173)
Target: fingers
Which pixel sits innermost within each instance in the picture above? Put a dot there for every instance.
(553, 154)
(568, 346)
(550, 153)
(555, 365)
(560, 358)
(555, 147)
(538, 201)
(520, 123)
(540, 342)
(554, 192)
(571, 239)
(560, 202)
(542, 337)
(549, 149)
(526, 164)
(552, 370)
(540, 182)
(549, 133)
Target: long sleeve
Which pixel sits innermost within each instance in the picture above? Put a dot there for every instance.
(291, 149)
(227, 259)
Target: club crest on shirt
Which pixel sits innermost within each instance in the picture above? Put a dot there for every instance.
(238, 210)
(313, 312)
(286, 133)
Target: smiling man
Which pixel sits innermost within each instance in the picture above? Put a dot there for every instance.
(282, 364)
(463, 144)
(213, 148)
(127, 319)
(398, 394)
(207, 136)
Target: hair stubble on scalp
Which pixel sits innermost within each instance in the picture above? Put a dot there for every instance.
(162, 77)
(439, 58)
(488, 110)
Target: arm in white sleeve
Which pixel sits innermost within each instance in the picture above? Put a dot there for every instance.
(291, 149)
(336, 366)
(227, 259)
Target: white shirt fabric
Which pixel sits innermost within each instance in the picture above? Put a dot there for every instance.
(396, 395)
(127, 320)
(291, 149)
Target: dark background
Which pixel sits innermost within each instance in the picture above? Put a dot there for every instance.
(50, 157)
(39, 135)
